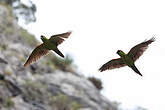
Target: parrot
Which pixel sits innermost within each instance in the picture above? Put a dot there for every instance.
(129, 58)
(46, 46)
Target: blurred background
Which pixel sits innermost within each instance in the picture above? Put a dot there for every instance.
(100, 28)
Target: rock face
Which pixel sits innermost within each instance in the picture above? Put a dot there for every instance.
(40, 86)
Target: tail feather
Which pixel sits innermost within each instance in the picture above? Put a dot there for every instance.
(136, 70)
(58, 52)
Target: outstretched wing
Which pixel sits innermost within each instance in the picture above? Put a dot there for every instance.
(112, 64)
(37, 53)
(138, 50)
(58, 39)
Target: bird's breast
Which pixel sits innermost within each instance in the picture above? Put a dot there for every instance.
(50, 46)
(128, 61)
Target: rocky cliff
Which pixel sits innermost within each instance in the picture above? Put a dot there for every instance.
(41, 86)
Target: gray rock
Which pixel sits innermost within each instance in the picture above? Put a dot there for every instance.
(42, 86)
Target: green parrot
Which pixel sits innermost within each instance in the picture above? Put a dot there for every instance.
(129, 58)
(46, 46)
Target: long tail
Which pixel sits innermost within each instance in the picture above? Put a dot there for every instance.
(58, 52)
(136, 70)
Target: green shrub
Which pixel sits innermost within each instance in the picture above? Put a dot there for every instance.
(64, 102)
(96, 82)
(60, 63)
(29, 38)
(4, 47)
(8, 103)
(68, 60)
(76, 105)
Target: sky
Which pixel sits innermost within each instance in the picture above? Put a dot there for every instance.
(100, 28)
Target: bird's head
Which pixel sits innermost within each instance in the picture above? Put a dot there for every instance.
(43, 38)
(120, 52)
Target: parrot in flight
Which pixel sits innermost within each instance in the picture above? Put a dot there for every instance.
(46, 46)
(129, 58)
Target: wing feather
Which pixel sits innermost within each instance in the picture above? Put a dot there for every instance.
(58, 39)
(139, 49)
(36, 54)
(63, 35)
(112, 64)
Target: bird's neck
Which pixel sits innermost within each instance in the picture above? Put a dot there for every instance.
(44, 39)
(122, 54)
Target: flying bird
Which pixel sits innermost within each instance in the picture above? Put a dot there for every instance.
(129, 58)
(46, 46)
